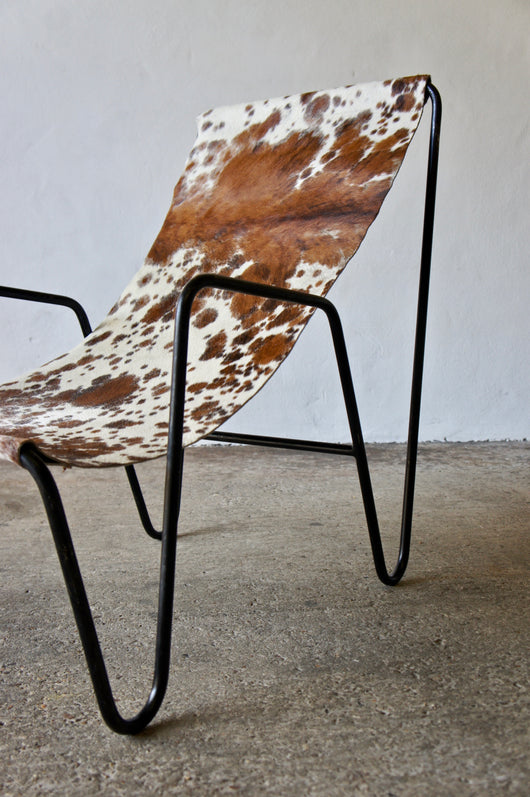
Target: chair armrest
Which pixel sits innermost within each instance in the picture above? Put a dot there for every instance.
(49, 298)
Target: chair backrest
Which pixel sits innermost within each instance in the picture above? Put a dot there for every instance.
(280, 191)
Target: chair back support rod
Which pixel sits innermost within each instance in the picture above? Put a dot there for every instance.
(421, 327)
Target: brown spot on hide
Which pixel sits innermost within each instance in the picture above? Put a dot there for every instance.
(316, 108)
(214, 346)
(95, 339)
(260, 129)
(139, 303)
(197, 387)
(205, 410)
(254, 204)
(233, 355)
(122, 423)
(244, 337)
(159, 390)
(106, 390)
(163, 309)
(404, 102)
(206, 317)
(290, 315)
(269, 349)
(153, 374)
(399, 86)
(306, 97)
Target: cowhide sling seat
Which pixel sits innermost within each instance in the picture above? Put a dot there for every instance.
(275, 198)
(280, 192)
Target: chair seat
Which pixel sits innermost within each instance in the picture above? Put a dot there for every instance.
(280, 192)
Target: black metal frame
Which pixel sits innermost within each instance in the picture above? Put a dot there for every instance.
(35, 463)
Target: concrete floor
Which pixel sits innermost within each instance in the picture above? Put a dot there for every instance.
(295, 672)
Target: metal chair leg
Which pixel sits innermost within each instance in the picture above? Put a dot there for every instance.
(34, 463)
(140, 503)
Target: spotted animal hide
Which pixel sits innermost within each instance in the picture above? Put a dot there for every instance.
(282, 192)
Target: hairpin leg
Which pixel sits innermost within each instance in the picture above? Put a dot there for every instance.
(182, 321)
(34, 463)
(140, 503)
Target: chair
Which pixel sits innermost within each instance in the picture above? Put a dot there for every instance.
(274, 201)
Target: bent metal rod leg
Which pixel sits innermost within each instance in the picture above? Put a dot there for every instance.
(140, 503)
(33, 462)
(182, 323)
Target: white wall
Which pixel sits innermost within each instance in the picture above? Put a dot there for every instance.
(98, 100)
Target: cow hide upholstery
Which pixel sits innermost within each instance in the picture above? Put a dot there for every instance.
(280, 191)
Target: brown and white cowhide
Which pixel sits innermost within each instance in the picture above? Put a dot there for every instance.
(281, 191)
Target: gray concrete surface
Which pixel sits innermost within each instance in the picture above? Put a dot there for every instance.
(295, 672)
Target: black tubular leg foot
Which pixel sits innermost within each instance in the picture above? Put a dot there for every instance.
(33, 462)
(140, 503)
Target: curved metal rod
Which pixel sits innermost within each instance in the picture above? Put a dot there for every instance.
(182, 321)
(33, 462)
(421, 326)
(49, 298)
(140, 503)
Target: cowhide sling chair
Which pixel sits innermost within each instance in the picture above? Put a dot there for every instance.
(275, 199)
